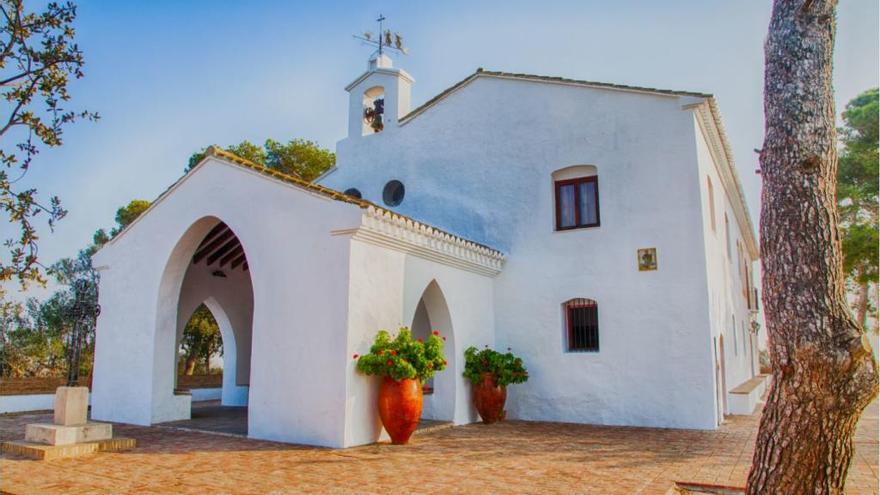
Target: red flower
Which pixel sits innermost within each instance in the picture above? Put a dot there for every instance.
(389, 363)
(420, 339)
(355, 356)
(436, 332)
(393, 353)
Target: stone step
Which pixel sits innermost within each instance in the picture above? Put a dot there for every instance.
(52, 434)
(46, 452)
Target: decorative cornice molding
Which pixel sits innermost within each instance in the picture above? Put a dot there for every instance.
(388, 229)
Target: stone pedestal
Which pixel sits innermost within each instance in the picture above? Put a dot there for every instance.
(71, 435)
(66, 435)
(71, 405)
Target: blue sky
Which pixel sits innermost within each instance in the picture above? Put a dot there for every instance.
(171, 77)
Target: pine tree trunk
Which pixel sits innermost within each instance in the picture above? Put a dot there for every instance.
(862, 305)
(823, 371)
(190, 366)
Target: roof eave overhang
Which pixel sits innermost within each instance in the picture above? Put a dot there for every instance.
(391, 71)
(561, 81)
(709, 120)
(486, 257)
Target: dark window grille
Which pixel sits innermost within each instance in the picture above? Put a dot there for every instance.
(582, 323)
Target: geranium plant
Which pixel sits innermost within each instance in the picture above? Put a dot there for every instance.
(506, 367)
(403, 357)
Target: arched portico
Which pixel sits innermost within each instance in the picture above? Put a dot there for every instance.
(208, 265)
(298, 281)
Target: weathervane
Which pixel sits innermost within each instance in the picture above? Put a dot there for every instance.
(385, 39)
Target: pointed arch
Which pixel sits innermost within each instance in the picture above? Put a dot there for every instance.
(432, 313)
(173, 311)
(233, 394)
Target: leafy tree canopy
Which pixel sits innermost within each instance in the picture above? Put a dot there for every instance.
(124, 216)
(38, 58)
(858, 178)
(128, 213)
(297, 157)
(201, 338)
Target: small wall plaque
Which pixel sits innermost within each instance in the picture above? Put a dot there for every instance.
(647, 259)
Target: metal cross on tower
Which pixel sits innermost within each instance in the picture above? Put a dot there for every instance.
(385, 39)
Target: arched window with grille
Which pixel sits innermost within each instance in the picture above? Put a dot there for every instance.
(582, 324)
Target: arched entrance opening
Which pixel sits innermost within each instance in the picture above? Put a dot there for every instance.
(432, 314)
(213, 309)
(200, 353)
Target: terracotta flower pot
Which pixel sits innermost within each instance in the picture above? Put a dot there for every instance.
(400, 407)
(489, 398)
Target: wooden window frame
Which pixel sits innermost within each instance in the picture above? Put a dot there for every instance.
(573, 304)
(557, 186)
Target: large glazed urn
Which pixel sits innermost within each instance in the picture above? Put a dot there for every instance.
(400, 407)
(489, 398)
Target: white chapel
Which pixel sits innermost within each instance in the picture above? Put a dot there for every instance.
(598, 230)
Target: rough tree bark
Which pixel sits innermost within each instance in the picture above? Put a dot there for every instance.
(823, 371)
(190, 366)
(862, 305)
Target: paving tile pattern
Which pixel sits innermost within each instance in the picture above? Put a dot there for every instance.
(510, 457)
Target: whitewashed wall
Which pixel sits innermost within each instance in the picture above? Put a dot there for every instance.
(386, 287)
(479, 163)
(300, 283)
(728, 308)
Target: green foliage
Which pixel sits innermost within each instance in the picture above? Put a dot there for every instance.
(16, 352)
(38, 58)
(506, 367)
(858, 177)
(100, 238)
(298, 157)
(128, 213)
(33, 340)
(33, 336)
(402, 357)
(201, 336)
(124, 216)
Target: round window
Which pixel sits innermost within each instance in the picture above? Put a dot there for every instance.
(353, 192)
(393, 193)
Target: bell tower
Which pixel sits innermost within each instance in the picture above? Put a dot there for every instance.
(379, 97)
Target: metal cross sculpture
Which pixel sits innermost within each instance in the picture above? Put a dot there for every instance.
(84, 311)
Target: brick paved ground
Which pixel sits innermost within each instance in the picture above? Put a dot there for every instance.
(512, 457)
